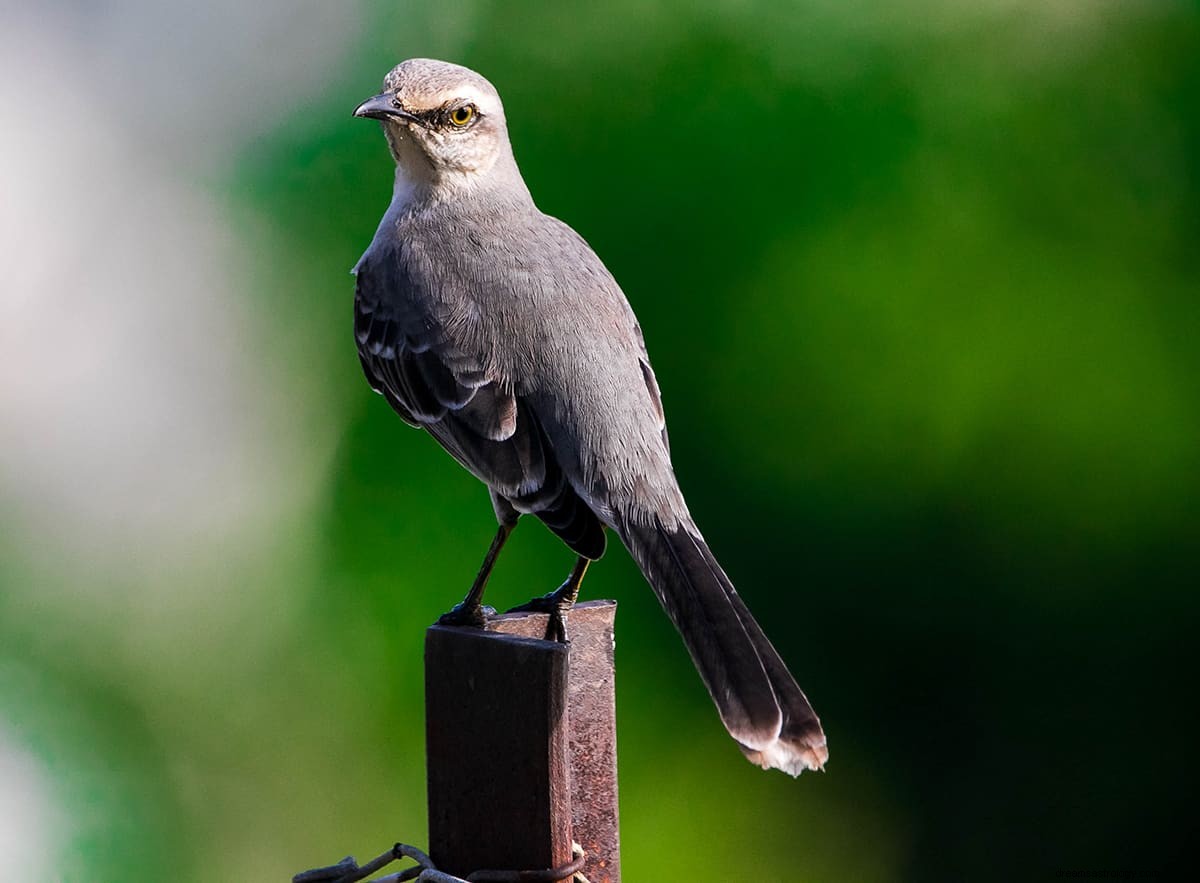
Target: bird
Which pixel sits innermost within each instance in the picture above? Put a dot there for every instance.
(499, 331)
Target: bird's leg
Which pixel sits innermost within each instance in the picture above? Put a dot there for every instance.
(558, 602)
(469, 611)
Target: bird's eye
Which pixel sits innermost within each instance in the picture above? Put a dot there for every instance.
(460, 116)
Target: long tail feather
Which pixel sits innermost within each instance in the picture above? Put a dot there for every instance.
(758, 699)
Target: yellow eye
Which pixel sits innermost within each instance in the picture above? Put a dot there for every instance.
(460, 116)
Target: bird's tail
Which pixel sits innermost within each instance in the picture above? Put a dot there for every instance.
(758, 699)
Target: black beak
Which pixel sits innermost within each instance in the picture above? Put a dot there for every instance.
(383, 106)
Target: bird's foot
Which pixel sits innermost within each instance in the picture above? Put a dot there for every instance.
(556, 603)
(464, 615)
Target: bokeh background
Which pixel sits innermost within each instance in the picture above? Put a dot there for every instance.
(921, 282)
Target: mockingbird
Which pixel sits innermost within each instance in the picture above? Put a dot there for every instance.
(498, 330)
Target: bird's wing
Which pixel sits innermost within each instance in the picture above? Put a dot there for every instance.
(472, 411)
(652, 386)
(415, 353)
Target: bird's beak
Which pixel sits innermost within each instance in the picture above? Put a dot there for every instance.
(383, 106)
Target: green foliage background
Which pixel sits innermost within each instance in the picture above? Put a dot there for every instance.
(920, 283)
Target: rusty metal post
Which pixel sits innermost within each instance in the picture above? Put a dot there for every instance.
(496, 743)
(592, 706)
(521, 743)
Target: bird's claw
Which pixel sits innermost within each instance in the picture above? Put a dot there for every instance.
(464, 615)
(556, 604)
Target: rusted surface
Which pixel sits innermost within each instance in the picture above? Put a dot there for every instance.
(593, 737)
(497, 746)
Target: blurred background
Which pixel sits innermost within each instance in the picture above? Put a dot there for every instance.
(922, 289)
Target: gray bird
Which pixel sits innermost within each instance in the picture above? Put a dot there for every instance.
(497, 329)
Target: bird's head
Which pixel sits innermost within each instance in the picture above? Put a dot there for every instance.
(443, 122)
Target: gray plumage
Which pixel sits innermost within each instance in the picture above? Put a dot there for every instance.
(499, 331)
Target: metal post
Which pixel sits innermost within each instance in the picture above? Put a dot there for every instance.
(592, 704)
(521, 742)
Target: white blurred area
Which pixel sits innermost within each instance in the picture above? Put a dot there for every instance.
(30, 820)
(162, 440)
(152, 444)
(165, 441)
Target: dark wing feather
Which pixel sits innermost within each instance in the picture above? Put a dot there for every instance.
(651, 380)
(655, 394)
(471, 410)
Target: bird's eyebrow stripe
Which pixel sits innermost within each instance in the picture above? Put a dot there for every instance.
(434, 115)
